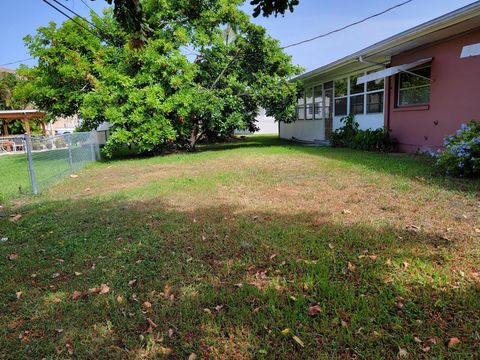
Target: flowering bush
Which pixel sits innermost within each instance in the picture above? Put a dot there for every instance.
(461, 156)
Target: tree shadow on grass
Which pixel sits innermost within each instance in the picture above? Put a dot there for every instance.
(226, 282)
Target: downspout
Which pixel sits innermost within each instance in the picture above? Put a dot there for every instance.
(387, 107)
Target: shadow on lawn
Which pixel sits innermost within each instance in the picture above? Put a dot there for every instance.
(224, 282)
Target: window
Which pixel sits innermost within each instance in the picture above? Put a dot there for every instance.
(354, 88)
(318, 102)
(309, 102)
(341, 97)
(414, 87)
(375, 102)
(375, 95)
(301, 107)
(357, 104)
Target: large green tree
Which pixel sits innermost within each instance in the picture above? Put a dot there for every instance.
(130, 13)
(186, 83)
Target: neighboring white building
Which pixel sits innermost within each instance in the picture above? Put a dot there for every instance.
(266, 125)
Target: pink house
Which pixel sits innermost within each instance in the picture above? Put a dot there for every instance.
(422, 84)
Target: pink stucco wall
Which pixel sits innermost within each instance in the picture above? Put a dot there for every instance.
(454, 97)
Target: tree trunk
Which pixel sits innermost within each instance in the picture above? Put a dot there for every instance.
(193, 136)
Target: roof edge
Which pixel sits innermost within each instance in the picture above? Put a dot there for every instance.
(457, 16)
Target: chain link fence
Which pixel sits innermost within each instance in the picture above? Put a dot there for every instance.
(51, 159)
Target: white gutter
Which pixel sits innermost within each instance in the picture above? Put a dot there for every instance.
(455, 17)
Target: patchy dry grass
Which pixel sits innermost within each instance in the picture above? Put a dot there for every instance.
(222, 253)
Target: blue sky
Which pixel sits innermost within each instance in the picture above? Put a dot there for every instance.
(311, 18)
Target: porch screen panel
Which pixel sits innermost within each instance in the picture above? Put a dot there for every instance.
(309, 103)
(318, 104)
(301, 107)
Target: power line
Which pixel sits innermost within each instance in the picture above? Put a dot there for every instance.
(71, 18)
(88, 6)
(347, 26)
(76, 14)
(16, 62)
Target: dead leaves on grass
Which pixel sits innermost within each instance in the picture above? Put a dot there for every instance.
(15, 217)
(13, 257)
(102, 289)
(454, 341)
(314, 310)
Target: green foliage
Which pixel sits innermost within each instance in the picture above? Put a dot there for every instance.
(461, 156)
(159, 95)
(8, 82)
(369, 140)
(343, 137)
(269, 7)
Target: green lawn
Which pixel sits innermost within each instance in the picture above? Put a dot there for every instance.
(253, 249)
(50, 167)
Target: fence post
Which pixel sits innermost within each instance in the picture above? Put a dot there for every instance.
(92, 148)
(31, 170)
(70, 158)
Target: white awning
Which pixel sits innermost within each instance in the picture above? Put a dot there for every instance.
(470, 50)
(391, 71)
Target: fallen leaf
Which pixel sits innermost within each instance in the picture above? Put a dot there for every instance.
(330, 246)
(314, 310)
(373, 257)
(73, 176)
(273, 256)
(346, 212)
(69, 347)
(132, 282)
(79, 294)
(406, 265)
(388, 262)
(402, 353)
(477, 231)
(88, 189)
(218, 308)
(18, 294)
(119, 299)
(165, 351)
(426, 349)
(413, 227)
(55, 275)
(152, 325)
(286, 331)
(4, 239)
(77, 273)
(15, 217)
(13, 256)
(298, 340)
(192, 356)
(147, 305)
(453, 342)
(344, 324)
(417, 339)
(351, 267)
(104, 289)
(170, 332)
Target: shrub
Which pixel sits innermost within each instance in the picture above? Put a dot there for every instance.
(349, 135)
(343, 137)
(461, 156)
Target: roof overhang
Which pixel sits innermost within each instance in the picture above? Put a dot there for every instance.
(450, 25)
(21, 114)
